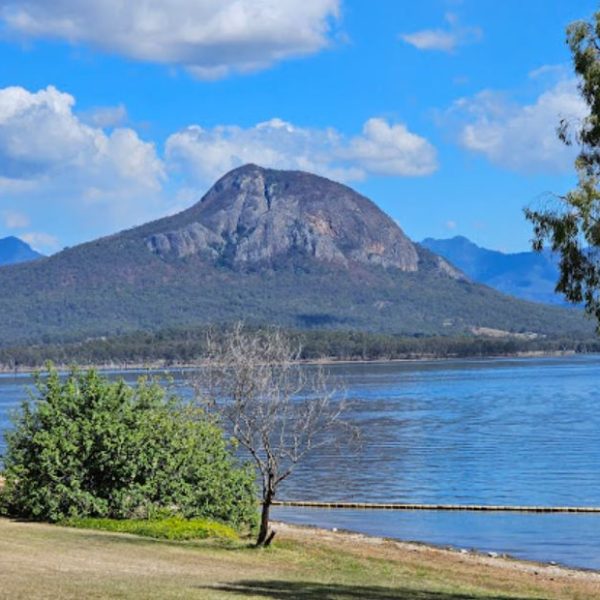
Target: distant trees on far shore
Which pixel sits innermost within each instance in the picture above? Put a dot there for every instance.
(186, 346)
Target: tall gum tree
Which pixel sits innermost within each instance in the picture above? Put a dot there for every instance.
(571, 227)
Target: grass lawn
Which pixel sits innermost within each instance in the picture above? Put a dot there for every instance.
(48, 561)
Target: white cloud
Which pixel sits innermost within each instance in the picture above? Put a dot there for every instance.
(14, 219)
(557, 72)
(210, 37)
(382, 149)
(40, 135)
(386, 149)
(519, 137)
(47, 151)
(444, 40)
(42, 242)
(431, 39)
(105, 116)
(54, 167)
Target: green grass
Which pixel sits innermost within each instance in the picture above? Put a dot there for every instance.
(172, 528)
(48, 561)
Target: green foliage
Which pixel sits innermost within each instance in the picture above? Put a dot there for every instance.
(185, 346)
(115, 287)
(172, 528)
(573, 227)
(3, 501)
(89, 447)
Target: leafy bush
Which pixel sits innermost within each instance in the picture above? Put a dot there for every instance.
(173, 528)
(89, 447)
(3, 499)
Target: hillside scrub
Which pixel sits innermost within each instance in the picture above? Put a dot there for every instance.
(329, 259)
(85, 446)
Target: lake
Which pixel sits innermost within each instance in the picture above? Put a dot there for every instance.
(506, 431)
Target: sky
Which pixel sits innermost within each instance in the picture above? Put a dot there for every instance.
(443, 112)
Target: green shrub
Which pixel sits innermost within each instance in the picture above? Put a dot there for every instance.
(90, 447)
(172, 528)
(3, 499)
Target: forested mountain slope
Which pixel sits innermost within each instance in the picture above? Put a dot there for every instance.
(266, 246)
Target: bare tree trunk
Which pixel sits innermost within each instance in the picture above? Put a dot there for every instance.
(264, 539)
(277, 410)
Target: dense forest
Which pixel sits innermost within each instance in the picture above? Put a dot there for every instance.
(186, 346)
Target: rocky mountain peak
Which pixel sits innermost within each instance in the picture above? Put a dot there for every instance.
(254, 215)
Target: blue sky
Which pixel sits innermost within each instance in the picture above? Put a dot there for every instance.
(441, 111)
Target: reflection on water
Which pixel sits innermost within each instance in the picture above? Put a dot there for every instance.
(510, 431)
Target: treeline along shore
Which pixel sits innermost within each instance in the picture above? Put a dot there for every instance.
(186, 347)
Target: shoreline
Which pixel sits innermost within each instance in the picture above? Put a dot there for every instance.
(326, 361)
(479, 557)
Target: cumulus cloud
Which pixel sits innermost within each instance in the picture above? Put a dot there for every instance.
(40, 136)
(211, 38)
(105, 116)
(48, 153)
(381, 149)
(444, 40)
(99, 179)
(386, 149)
(519, 137)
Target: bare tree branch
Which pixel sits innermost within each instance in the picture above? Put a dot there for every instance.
(277, 409)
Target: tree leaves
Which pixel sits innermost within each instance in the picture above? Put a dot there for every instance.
(572, 227)
(90, 447)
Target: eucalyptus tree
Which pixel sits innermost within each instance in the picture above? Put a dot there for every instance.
(571, 227)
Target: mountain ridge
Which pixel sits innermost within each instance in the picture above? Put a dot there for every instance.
(280, 247)
(527, 275)
(13, 250)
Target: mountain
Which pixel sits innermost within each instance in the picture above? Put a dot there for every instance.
(13, 250)
(528, 275)
(266, 246)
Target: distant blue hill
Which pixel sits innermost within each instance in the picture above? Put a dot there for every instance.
(13, 250)
(527, 275)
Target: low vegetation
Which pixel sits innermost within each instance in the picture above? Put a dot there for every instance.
(171, 528)
(85, 446)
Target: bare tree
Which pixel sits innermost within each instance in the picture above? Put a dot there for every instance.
(277, 409)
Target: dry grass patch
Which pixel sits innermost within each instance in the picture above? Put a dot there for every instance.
(45, 561)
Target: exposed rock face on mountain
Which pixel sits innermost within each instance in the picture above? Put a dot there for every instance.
(255, 217)
(266, 246)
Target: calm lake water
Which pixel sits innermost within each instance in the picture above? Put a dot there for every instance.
(509, 431)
